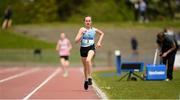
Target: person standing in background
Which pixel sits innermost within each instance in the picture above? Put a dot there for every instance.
(136, 10)
(64, 47)
(171, 35)
(7, 22)
(167, 53)
(142, 10)
(134, 45)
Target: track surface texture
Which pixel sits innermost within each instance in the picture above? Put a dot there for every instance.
(43, 83)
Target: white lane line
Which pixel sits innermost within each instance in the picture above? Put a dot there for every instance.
(43, 83)
(98, 91)
(9, 70)
(19, 75)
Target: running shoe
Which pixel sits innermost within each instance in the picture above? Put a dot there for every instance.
(86, 85)
(89, 81)
(65, 74)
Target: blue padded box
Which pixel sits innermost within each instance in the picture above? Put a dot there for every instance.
(155, 72)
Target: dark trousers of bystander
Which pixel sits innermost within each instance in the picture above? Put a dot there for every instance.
(169, 61)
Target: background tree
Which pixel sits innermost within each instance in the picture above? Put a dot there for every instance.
(40, 11)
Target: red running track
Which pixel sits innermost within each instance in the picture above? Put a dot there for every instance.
(44, 83)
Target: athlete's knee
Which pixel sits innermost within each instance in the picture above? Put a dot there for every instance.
(91, 52)
(67, 63)
(88, 61)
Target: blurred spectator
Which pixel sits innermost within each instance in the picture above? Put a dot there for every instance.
(171, 35)
(169, 32)
(142, 10)
(37, 53)
(128, 3)
(178, 39)
(7, 22)
(178, 5)
(167, 53)
(134, 45)
(136, 10)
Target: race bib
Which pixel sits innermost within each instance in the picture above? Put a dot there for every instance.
(87, 41)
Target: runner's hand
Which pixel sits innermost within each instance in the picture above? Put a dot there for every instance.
(98, 45)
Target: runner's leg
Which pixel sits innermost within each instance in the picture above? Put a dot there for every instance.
(89, 62)
(63, 63)
(85, 67)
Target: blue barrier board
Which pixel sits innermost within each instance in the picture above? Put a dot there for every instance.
(155, 72)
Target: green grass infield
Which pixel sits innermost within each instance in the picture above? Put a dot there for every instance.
(139, 89)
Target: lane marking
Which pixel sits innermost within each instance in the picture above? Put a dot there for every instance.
(43, 83)
(98, 91)
(9, 70)
(19, 75)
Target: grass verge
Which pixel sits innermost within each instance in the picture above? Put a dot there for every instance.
(10, 40)
(123, 89)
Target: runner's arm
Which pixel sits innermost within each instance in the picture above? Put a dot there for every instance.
(100, 38)
(70, 46)
(79, 35)
(57, 46)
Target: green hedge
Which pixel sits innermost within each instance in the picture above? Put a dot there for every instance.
(40, 11)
